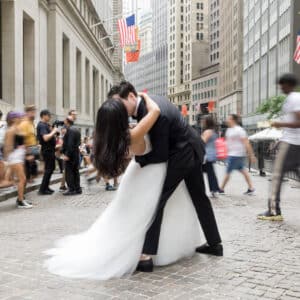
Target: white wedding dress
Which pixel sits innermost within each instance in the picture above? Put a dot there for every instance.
(111, 247)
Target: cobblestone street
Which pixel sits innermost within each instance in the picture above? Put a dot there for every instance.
(262, 259)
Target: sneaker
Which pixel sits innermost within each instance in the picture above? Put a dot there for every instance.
(62, 189)
(268, 216)
(249, 192)
(110, 188)
(214, 195)
(221, 192)
(23, 204)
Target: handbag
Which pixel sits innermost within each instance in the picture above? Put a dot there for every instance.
(221, 148)
(34, 151)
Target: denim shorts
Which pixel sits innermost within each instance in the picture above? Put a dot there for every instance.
(235, 163)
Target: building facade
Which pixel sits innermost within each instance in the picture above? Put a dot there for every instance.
(150, 72)
(188, 47)
(231, 58)
(270, 30)
(160, 46)
(53, 57)
(214, 31)
(204, 90)
(145, 33)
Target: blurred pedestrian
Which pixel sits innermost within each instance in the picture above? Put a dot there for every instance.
(4, 181)
(238, 147)
(288, 155)
(72, 140)
(209, 136)
(58, 152)
(72, 115)
(27, 129)
(46, 137)
(14, 151)
(261, 159)
(63, 187)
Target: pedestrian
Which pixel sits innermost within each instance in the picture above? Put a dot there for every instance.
(288, 155)
(14, 152)
(63, 187)
(238, 146)
(72, 140)
(73, 115)
(27, 128)
(46, 136)
(209, 136)
(261, 159)
(4, 180)
(58, 152)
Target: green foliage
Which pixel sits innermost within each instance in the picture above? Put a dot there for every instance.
(271, 106)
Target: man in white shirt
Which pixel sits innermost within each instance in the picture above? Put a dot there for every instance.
(238, 147)
(288, 156)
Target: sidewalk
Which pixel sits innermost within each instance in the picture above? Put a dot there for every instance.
(261, 259)
(7, 193)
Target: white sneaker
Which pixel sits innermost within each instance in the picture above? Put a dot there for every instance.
(23, 204)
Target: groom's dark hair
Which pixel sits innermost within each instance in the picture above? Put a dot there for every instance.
(126, 88)
(115, 90)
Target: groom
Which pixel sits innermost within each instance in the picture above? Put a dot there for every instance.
(175, 142)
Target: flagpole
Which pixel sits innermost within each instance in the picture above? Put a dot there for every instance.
(112, 18)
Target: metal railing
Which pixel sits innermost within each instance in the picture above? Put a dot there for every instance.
(265, 152)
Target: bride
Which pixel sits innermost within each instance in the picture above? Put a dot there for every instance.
(112, 246)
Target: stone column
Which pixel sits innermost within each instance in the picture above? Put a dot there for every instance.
(8, 52)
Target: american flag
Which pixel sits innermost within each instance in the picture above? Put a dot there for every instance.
(297, 51)
(127, 30)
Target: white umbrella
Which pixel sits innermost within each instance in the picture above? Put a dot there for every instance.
(269, 134)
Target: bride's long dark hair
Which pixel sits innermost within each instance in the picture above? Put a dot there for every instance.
(111, 138)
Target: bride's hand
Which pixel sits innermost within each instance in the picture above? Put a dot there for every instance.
(150, 104)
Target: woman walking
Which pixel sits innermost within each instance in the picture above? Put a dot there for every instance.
(209, 137)
(14, 151)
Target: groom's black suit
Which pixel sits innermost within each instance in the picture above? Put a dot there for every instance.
(175, 142)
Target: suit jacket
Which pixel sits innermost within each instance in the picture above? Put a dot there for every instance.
(170, 133)
(71, 142)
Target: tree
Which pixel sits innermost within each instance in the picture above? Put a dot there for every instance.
(271, 106)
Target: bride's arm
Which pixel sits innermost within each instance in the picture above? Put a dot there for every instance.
(143, 127)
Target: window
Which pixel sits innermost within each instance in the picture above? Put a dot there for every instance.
(66, 72)
(78, 80)
(87, 86)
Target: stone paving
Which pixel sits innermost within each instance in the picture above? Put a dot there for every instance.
(261, 261)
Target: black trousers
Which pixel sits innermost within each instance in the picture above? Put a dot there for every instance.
(287, 159)
(72, 173)
(30, 168)
(211, 175)
(184, 165)
(49, 160)
(60, 162)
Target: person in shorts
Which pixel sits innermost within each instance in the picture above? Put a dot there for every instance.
(288, 156)
(238, 148)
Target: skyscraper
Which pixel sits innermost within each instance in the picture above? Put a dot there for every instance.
(150, 72)
(270, 30)
(188, 47)
(160, 46)
(231, 57)
(214, 30)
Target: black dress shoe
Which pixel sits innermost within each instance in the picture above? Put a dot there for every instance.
(79, 192)
(50, 190)
(145, 266)
(43, 193)
(70, 193)
(216, 250)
